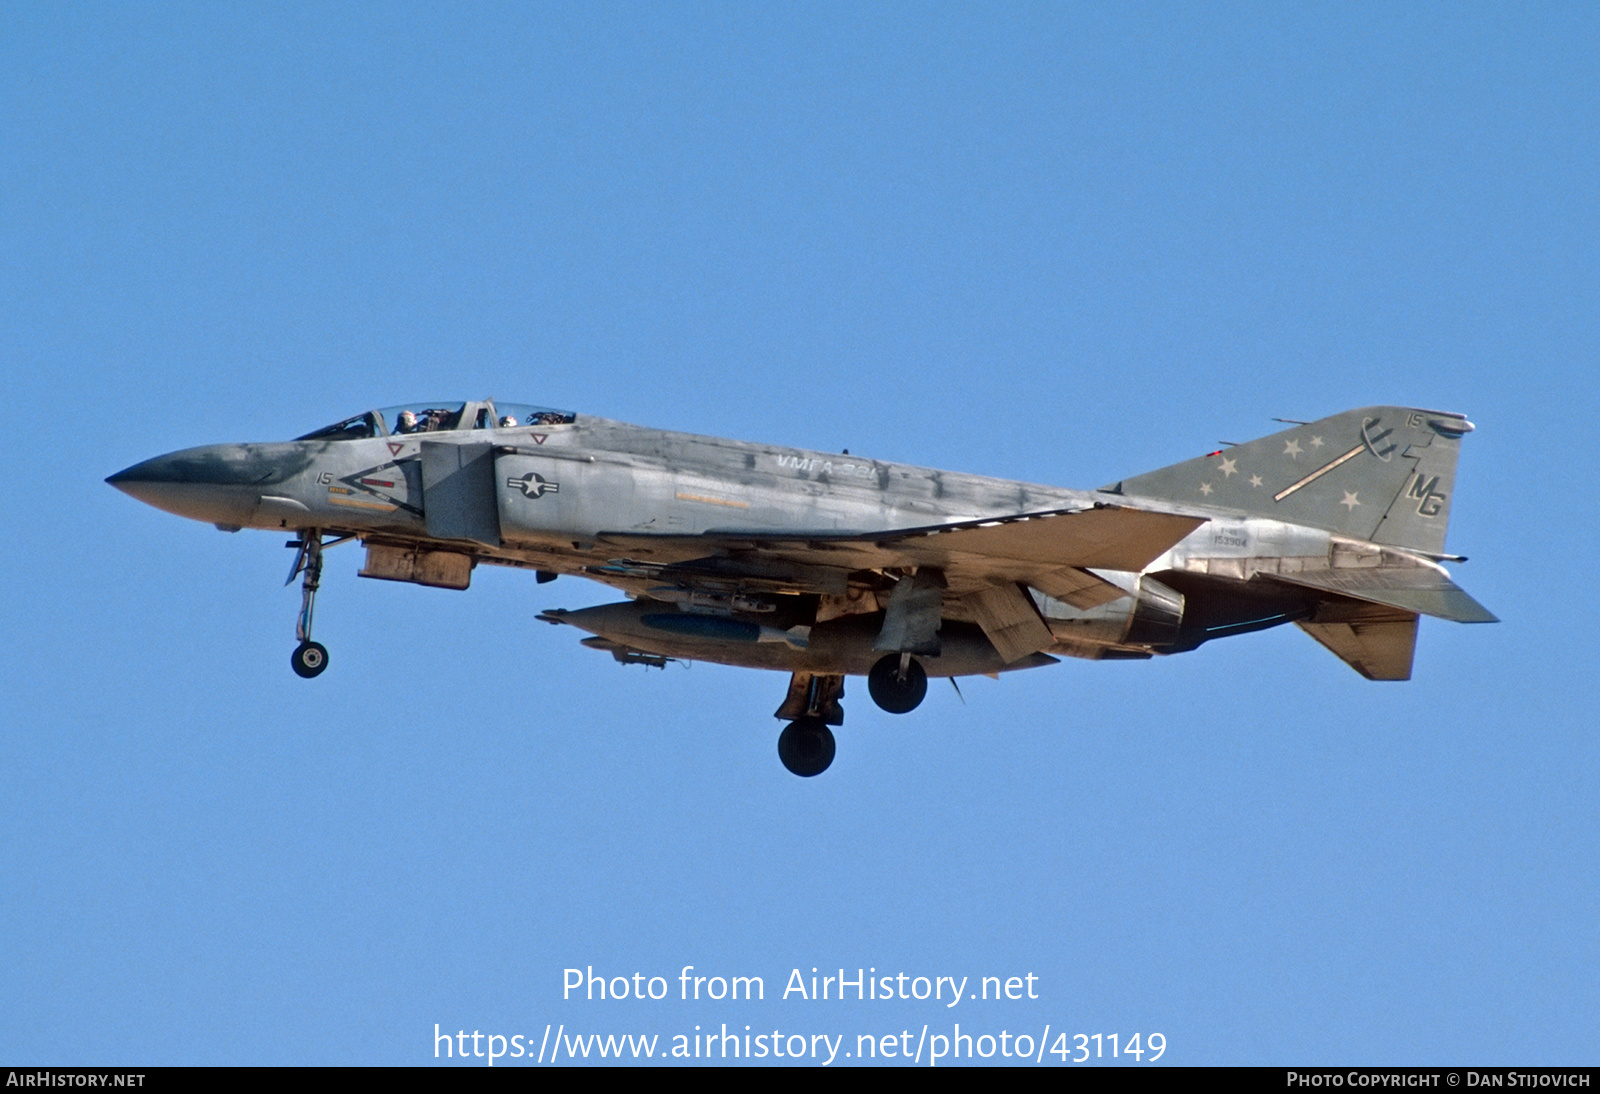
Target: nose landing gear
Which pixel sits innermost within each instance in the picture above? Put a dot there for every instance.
(309, 658)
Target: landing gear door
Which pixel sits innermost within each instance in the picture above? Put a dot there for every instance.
(458, 492)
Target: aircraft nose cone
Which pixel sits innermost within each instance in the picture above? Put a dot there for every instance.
(214, 465)
(220, 484)
(156, 470)
(149, 481)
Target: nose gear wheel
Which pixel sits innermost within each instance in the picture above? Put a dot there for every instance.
(309, 659)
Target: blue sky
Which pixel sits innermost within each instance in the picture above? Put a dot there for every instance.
(1045, 242)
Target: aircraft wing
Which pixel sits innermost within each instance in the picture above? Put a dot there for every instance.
(1050, 551)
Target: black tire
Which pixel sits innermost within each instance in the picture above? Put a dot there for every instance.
(806, 747)
(893, 694)
(309, 659)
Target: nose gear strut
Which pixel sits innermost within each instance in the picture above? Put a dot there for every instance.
(309, 658)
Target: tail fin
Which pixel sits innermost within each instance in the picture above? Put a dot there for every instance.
(1383, 473)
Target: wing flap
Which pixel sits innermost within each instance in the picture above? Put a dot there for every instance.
(1071, 585)
(1009, 619)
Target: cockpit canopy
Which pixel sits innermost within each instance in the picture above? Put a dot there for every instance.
(439, 416)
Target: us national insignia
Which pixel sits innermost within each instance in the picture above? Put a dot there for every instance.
(533, 485)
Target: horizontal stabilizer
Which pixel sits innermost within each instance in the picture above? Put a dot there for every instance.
(1412, 589)
(1376, 640)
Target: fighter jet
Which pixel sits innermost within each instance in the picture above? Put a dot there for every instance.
(828, 565)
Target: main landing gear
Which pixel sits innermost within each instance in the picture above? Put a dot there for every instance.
(309, 658)
(806, 747)
(897, 683)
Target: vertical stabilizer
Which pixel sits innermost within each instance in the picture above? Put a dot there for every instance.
(1382, 473)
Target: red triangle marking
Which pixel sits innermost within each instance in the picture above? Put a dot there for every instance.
(538, 438)
(394, 449)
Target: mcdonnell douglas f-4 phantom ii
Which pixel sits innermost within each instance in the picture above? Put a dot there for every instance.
(826, 566)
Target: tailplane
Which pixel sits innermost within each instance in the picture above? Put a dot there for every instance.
(1384, 474)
